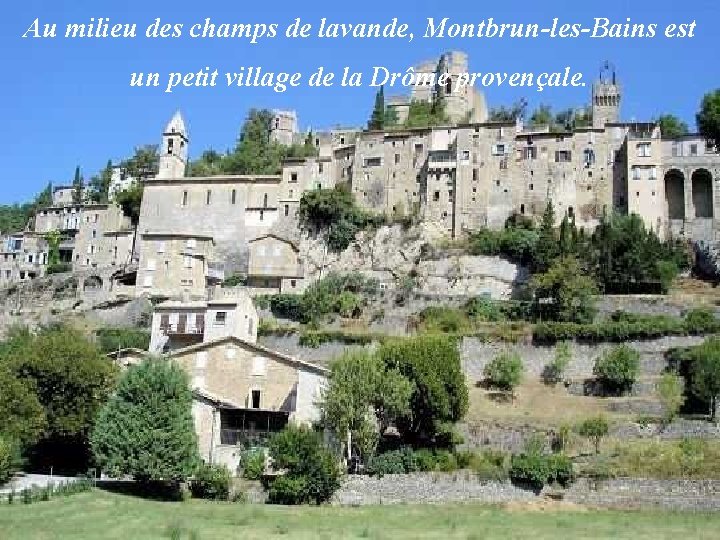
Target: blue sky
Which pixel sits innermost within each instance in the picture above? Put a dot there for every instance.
(67, 102)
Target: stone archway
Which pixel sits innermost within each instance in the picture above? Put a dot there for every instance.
(675, 194)
(702, 193)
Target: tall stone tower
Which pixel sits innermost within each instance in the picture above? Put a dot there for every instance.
(284, 127)
(174, 148)
(606, 97)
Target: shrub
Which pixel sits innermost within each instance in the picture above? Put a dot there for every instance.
(113, 339)
(400, 461)
(311, 471)
(504, 371)
(484, 309)
(701, 320)
(618, 369)
(594, 429)
(560, 469)
(671, 394)
(490, 465)
(289, 490)
(252, 463)
(8, 459)
(58, 268)
(211, 482)
(554, 371)
(532, 469)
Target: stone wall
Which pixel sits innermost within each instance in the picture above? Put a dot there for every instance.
(426, 488)
(476, 354)
(464, 486)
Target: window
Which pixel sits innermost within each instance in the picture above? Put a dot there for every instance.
(530, 152)
(265, 199)
(436, 196)
(531, 187)
(522, 209)
(262, 215)
(187, 260)
(293, 177)
(397, 159)
(653, 173)
(207, 196)
(255, 399)
(503, 164)
(185, 198)
(287, 209)
(190, 243)
(498, 150)
(693, 149)
(293, 283)
(161, 246)
(636, 173)
(233, 194)
(220, 318)
(94, 233)
(95, 219)
(589, 156)
(465, 155)
(643, 149)
(563, 156)
(475, 175)
(373, 162)
(320, 168)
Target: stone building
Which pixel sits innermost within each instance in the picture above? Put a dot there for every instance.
(242, 392)
(274, 266)
(23, 256)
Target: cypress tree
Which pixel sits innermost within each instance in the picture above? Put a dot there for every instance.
(377, 119)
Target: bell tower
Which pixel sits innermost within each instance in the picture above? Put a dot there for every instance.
(606, 97)
(173, 151)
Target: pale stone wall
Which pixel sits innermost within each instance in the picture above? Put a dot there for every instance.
(93, 248)
(173, 265)
(230, 209)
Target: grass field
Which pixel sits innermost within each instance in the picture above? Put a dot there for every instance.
(102, 515)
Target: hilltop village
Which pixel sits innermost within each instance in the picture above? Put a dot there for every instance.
(455, 286)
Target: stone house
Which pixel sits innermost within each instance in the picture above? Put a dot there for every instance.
(274, 266)
(244, 393)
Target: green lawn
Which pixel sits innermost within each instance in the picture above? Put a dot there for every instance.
(102, 515)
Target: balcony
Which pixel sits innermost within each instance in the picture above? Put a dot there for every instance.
(442, 159)
(182, 328)
(215, 272)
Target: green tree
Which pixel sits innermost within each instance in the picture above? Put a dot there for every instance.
(311, 474)
(425, 114)
(508, 114)
(565, 292)
(594, 429)
(146, 430)
(708, 118)
(144, 163)
(130, 200)
(504, 371)
(705, 372)
(71, 380)
(555, 370)
(542, 116)
(255, 152)
(618, 368)
(546, 248)
(100, 184)
(363, 396)
(671, 392)
(78, 187)
(671, 126)
(22, 418)
(377, 118)
(440, 396)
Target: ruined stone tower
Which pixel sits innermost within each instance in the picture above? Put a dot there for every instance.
(173, 151)
(606, 97)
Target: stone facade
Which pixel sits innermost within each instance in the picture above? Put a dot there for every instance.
(274, 266)
(243, 391)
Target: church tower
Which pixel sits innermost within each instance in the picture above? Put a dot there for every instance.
(606, 97)
(173, 151)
